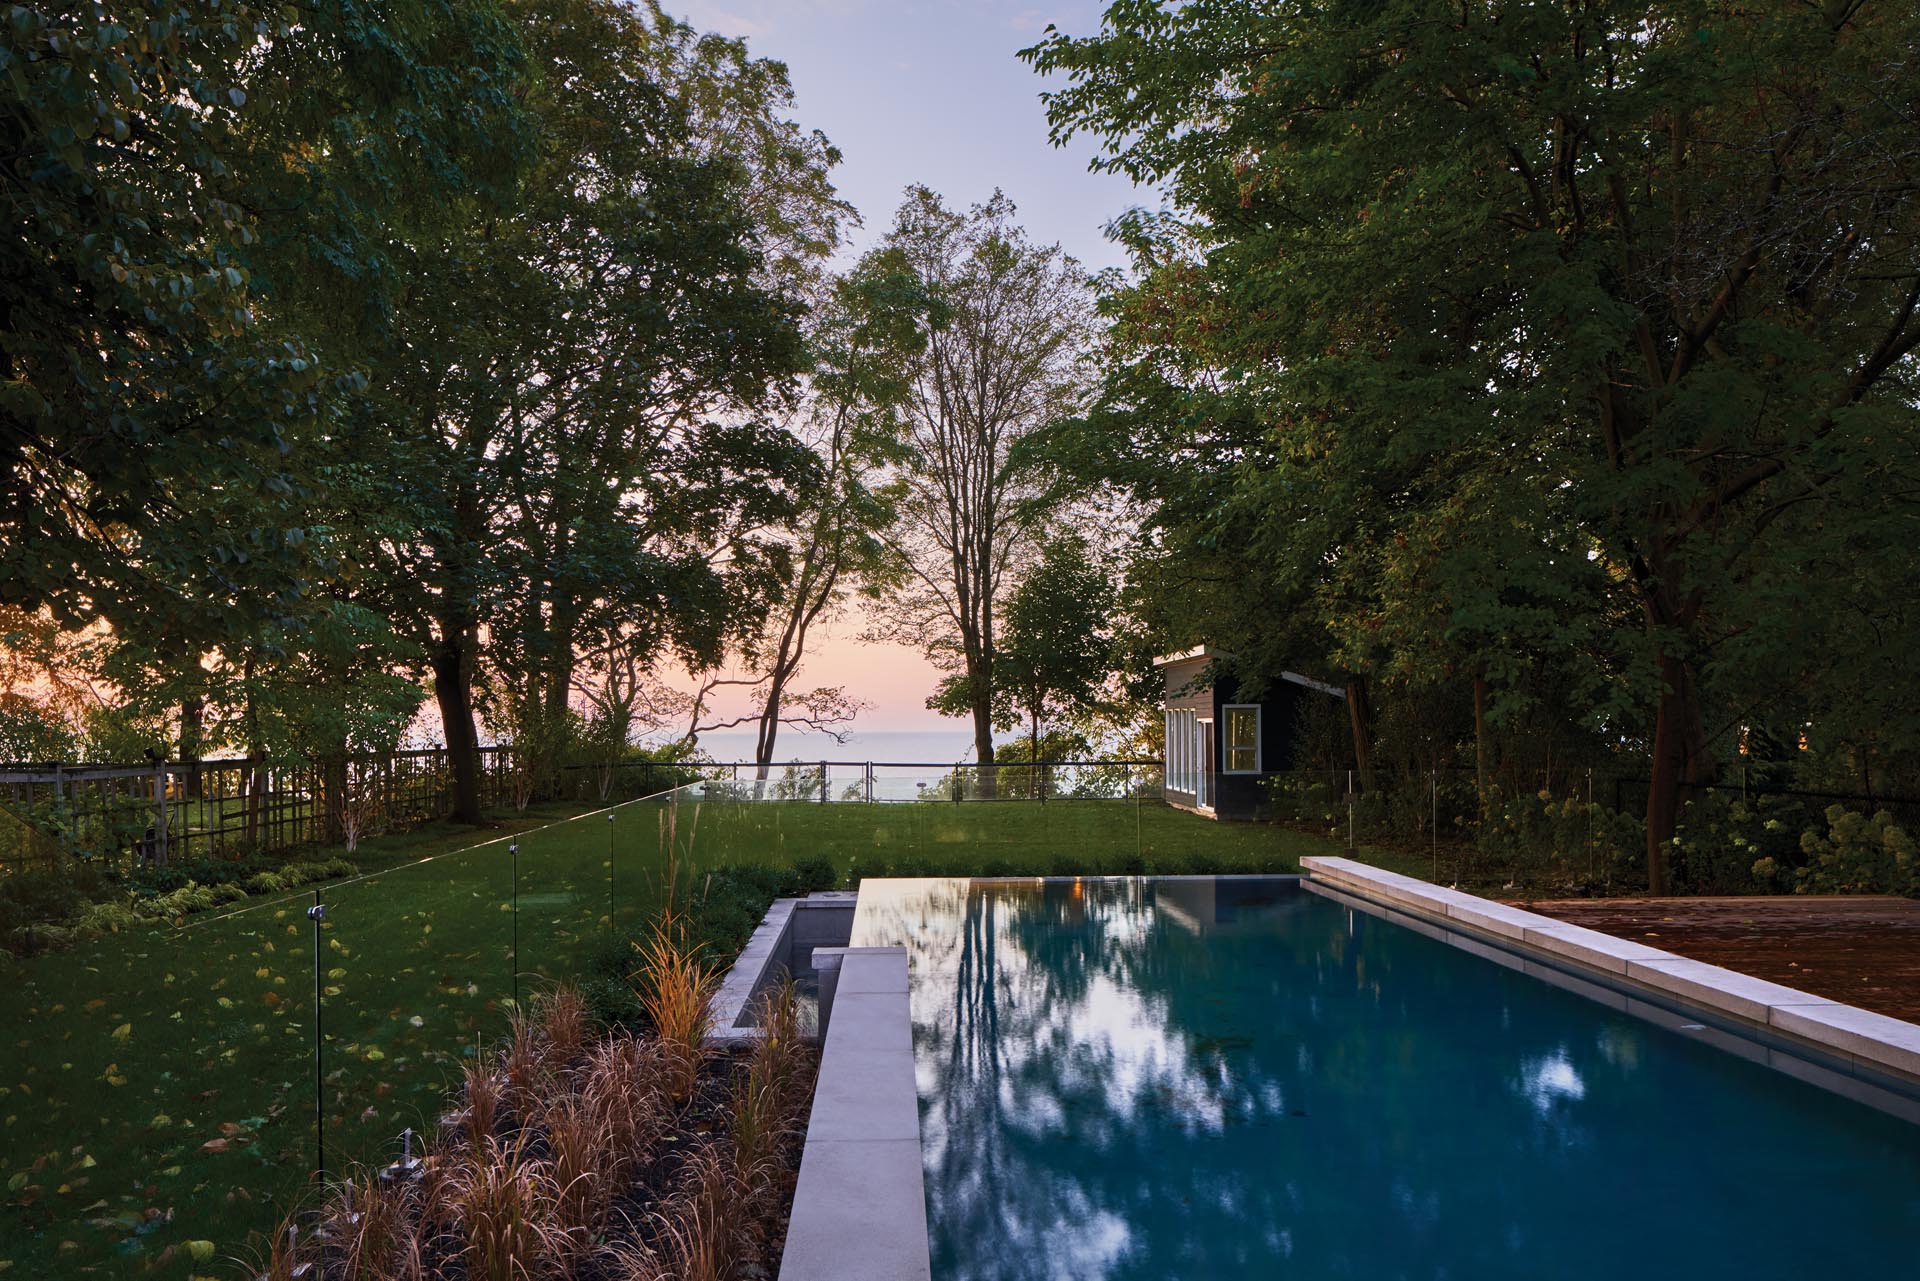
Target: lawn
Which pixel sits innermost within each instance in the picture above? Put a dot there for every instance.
(158, 1095)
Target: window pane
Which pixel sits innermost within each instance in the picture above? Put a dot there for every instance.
(1243, 738)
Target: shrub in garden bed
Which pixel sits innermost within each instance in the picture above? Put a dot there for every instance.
(578, 1153)
(40, 911)
(723, 909)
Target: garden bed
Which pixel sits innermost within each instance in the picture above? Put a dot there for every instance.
(576, 1155)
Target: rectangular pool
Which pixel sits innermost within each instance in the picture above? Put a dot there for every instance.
(1191, 1077)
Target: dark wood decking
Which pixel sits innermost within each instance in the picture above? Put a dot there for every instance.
(1862, 950)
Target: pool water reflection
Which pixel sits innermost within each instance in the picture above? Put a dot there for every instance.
(1238, 1078)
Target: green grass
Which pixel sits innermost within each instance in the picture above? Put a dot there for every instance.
(157, 1093)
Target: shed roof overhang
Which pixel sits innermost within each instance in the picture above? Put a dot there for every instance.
(1186, 655)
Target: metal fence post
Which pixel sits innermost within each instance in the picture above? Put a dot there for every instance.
(160, 797)
(1433, 821)
(823, 782)
(610, 854)
(318, 913)
(1352, 845)
(513, 851)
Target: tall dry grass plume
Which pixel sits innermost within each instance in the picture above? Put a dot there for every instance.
(770, 1100)
(499, 1202)
(701, 1233)
(369, 1232)
(477, 1122)
(619, 1086)
(564, 1024)
(584, 1172)
(676, 990)
(671, 848)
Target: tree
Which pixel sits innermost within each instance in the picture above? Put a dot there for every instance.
(569, 407)
(132, 377)
(1057, 648)
(1009, 321)
(1652, 267)
(736, 107)
(862, 337)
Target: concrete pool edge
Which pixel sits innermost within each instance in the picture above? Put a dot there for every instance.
(859, 1208)
(1878, 1043)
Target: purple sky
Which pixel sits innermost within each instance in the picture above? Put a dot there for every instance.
(930, 91)
(927, 91)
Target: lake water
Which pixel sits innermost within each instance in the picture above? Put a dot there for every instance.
(919, 747)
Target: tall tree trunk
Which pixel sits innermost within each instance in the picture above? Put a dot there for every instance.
(193, 717)
(1680, 755)
(453, 690)
(769, 731)
(333, 792)
(1360, 716)
(983, 747)
(1033, 754)
(1679, 759)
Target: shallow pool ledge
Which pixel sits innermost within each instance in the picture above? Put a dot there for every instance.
(860, 1207)
(1875, 1041)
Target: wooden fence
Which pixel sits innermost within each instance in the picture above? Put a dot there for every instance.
(172, 811)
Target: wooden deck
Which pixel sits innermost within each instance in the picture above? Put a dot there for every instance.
(1863, 950)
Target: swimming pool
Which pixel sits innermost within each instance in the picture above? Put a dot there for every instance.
(1201, 1077)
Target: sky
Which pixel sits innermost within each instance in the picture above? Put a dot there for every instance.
(926, 91)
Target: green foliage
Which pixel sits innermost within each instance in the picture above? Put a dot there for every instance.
(1513, 345)
(137, 386)
(1856, 855)
(33, 732)
(1723, 839)
(722, 913)
(1056, 643)
(48, 895)
(1563, 845)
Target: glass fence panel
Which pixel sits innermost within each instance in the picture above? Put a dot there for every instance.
(563, 900)
(147, 1078)
(416, 975)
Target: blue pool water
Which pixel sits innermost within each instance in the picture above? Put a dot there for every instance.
(1218, 1079)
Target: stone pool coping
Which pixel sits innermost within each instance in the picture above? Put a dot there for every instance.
(1856, 1037)
(860, 1208)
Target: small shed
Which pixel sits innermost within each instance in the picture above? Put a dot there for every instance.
(1218, 743)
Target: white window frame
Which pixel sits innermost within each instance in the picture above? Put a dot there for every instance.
(1226, 748)
(1183, 764)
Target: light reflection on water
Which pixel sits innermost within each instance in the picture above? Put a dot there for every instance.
(1133, 1079)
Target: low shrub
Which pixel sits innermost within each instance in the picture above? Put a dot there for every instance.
(1566, 846)
(1722, 838)
(46, 895)
(49, 910)
(1855, 855)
